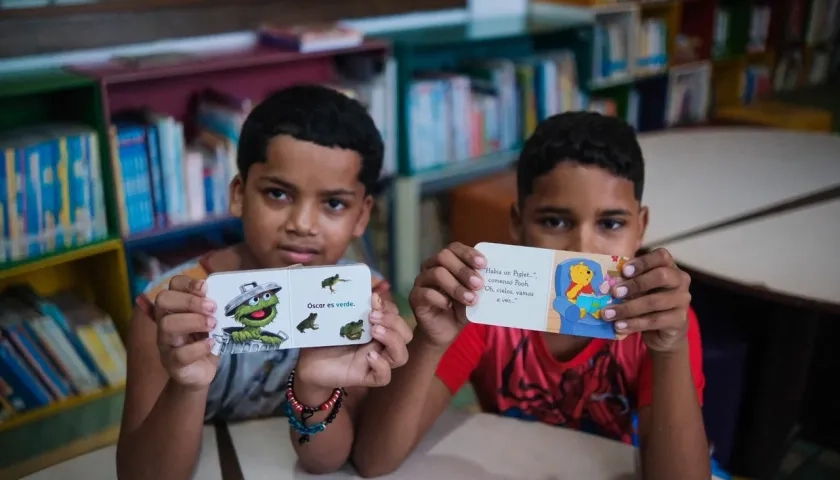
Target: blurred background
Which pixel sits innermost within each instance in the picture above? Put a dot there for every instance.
(119, 121)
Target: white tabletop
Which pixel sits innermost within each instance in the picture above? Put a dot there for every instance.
(102, 464)
(793, 253)
(460, 446)
(699, 177)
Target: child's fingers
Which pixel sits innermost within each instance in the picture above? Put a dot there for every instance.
(647, 304)
(429, 297)
(656, 279)
(174, 328)
(380, 370)
(468, 255)
(448, 260)
(390, 307)
(376, 301)
(172, 301)
(442, 279)
(655, 259)
(395, 323)
(185, 284)
(395, 349)
(669, 321)
(189, 353)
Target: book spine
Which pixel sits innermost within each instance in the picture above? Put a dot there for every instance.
(17, 369)
(99, 214)
(62, 193)
(157, 178)
(5, 208)
(118, 181)
(51, 237)
(34, 222)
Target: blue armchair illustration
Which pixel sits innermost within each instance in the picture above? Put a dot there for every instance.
(578, 316)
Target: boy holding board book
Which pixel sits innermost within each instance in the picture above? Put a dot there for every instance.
(604, 338)
(307, 159)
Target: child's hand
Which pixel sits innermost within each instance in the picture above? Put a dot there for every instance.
(657, 301)
(366, 365)
(446, 285)
(184, 318)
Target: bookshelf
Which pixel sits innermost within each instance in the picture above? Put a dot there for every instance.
(417, 52)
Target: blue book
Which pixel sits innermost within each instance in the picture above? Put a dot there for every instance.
(15, 372)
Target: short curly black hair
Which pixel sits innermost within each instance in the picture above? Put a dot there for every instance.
(586, 138)
(316, 114)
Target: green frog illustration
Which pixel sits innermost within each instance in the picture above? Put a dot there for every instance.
(331, 282)
(308, 323)
(254, 308)
(352, 330)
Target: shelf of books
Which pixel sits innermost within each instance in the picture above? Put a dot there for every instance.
(467, 96)
(63, 282)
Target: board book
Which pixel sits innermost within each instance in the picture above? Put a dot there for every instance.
(295, 307)
(547, 290)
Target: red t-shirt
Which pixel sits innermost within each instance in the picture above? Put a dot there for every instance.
(597, 391)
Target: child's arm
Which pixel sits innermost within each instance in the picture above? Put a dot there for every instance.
(320, 370)
(327, 451)
(671, 433)
(441, 358)
(672, 436)
(395, 418)
(163, 419)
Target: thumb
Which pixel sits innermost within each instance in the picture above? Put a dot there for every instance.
(376, 302)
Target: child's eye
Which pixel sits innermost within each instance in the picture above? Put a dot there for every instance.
(554, 222)
(335, 204)
(275, 194)
(611, 224)
(254, 301)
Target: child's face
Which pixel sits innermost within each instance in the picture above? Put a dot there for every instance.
(581, 208)
(305, 204)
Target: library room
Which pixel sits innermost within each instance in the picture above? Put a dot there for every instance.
(180, 177)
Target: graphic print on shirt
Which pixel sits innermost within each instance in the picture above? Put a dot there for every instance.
(591, 397)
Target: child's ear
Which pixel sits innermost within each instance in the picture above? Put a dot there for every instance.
(516, 224)
(364, 218)
(644, 216)
(237, 196)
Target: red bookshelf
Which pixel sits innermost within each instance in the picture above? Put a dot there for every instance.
(252, 73)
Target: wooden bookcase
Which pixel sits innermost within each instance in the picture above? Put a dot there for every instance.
(96, 272)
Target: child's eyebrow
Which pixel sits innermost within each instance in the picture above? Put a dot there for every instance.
(554, 210)
(616, 212)
(338, 192)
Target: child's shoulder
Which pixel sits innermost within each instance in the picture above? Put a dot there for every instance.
(194, 268)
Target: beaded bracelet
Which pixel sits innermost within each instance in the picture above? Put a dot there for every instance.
(293, 406)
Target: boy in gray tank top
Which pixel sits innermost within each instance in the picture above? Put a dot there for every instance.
(307, 159)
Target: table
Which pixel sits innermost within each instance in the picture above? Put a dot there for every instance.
(696, 178)
(791, 256)
(789, 261)
(101, 464)
(459, 446)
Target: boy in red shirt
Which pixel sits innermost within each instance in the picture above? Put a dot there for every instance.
(580, 179)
